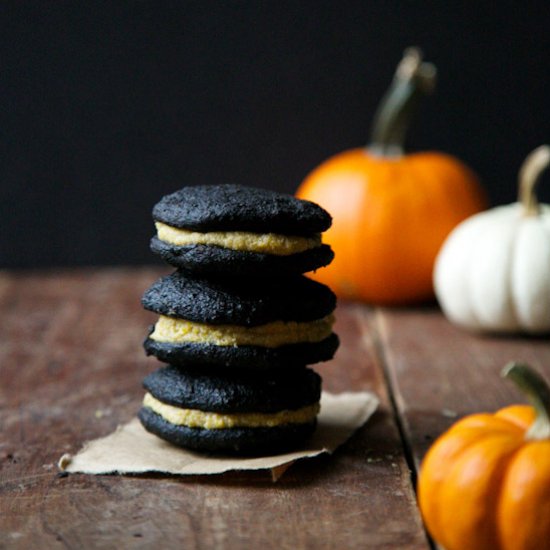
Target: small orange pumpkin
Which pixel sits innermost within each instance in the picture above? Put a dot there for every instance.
(485, 483)
(391, 212)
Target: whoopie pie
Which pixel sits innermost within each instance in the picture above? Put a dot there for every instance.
(241, 412)
(236, 231)
(241, 324)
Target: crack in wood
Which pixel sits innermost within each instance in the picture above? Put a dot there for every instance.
(375, 331)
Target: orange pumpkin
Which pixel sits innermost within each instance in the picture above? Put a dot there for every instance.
(485, 483)
(391, 212)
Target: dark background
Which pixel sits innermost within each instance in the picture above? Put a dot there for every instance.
(106, 106)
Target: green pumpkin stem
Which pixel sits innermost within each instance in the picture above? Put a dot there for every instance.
(535, 388)
(529, 175)
(413, 79)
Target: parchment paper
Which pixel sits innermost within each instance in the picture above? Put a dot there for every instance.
(132, 450)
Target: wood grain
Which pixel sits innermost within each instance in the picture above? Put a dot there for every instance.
(71, 366)
(439, 372)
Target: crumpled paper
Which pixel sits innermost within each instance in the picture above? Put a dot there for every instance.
(133, 450)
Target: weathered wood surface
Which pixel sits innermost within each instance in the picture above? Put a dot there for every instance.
(71, 366)
(439, 373)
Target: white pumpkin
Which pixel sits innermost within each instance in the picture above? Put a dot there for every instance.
(493, 271)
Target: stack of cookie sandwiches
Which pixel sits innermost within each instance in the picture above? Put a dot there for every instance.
(238, 321)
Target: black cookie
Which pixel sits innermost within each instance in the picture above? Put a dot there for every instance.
(238, 208)
(235, 392)
(242, 441)
(239, 302)
(290, 356)
(205, 260)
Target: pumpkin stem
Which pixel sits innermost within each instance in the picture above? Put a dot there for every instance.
(413, 78)
(529, 174)
(535, 388)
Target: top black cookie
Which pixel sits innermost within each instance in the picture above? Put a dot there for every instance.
(238, 208)
(239, 302)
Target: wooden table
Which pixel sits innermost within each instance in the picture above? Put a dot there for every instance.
(71, 366)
